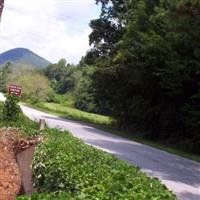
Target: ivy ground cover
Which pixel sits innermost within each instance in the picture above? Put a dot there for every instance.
(64, 166)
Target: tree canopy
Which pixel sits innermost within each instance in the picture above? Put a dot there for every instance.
(148, 66)
(143, 68)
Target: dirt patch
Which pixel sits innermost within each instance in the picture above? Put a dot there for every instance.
(10, 178)
(16, 154)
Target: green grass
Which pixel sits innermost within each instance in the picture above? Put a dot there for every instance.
(73, 113)
(65, 99)
(68, 100)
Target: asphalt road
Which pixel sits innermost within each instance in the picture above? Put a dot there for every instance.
(180, 175)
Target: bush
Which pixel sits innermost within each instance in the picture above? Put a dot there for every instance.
(11, 109)
(66, 164)
(52, 98)
(29, 127)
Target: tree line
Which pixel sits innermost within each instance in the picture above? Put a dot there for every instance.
(143, 68)
(147, 67)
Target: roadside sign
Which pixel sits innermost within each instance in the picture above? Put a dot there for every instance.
(15, 89)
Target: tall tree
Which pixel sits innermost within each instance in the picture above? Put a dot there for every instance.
(60, 75)
(4, 74)
(108, 29)
(152, 78)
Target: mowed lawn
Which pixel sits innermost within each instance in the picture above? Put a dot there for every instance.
(73, 113)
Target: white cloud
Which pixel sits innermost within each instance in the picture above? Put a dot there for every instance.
(52, 28)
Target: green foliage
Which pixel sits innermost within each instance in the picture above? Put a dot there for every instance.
(65, 111)
(108, 29)
(25, 75)
(29, 127)
(11, 109)
(84, 93)
(74, 81)
(61, 76)
(66, 164)
(46, 196)
(152, 79)
(63, 99)
(4, 74)
(33, 90)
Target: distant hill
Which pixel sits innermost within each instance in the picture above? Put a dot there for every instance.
(22, 55)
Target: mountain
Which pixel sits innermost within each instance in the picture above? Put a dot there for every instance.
(22, 55)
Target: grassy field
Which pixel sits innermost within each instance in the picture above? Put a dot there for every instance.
(65, 99)
(73, 113)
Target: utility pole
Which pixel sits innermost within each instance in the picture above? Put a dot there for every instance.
(1, 8)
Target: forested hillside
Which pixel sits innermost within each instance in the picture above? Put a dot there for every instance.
(22, 55)
(143, 69)
(147, 66)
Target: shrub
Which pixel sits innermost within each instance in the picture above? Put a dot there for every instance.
(11, 109)
(29, 127)
(64, 163)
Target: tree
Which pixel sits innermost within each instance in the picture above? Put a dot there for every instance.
(108, 29)
(35, 86)
(11, 109)
(152, 79)
(4, 74)
(60, 75)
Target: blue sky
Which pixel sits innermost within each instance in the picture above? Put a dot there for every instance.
(53, 29)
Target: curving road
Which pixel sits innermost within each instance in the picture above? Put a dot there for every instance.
(180, 175)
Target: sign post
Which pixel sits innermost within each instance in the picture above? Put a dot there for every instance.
(15, 89)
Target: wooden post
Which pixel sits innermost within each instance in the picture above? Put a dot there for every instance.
(42, 124)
